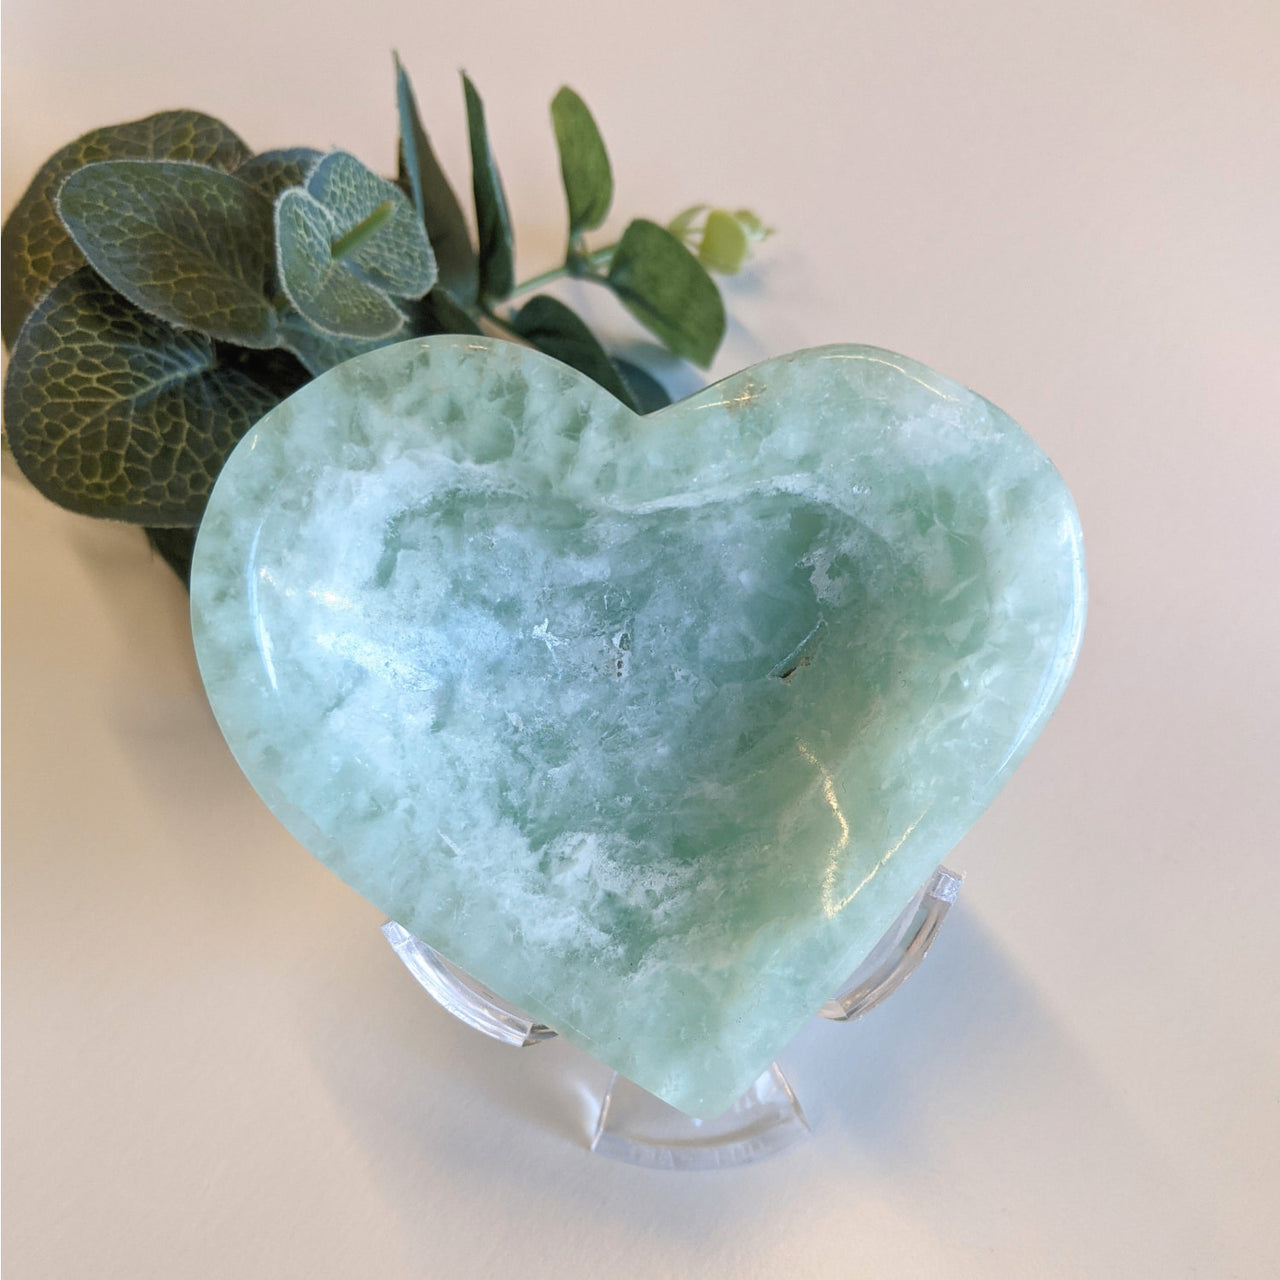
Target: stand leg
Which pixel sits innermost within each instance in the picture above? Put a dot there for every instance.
(468, 1000)
(634, 1126)
(898, 954)
(638, 1128)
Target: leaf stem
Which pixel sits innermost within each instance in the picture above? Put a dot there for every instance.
(363, 229)
(577, 265)
(536, 282)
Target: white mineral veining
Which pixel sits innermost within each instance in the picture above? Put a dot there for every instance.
(652, 725)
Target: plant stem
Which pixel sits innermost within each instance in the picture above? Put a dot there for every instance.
(582, 267)
(363, 229)
(536, 282)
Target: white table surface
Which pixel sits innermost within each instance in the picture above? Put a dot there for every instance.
(214, 1066)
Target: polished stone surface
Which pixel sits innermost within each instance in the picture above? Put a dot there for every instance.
(652, 725)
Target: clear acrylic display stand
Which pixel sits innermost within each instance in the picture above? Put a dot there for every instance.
(634, 1126)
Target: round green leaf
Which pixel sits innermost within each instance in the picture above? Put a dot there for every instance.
(182, 241)
(275, 171)
(36, 251)
(325, 291)
(681, 226)
(320, 352)
(668, 290)
(397, 255)
(752, 224)
(647, 392)
(725, 245)
(113, 413)
(584, 163)
(344, 242)
(561, 332)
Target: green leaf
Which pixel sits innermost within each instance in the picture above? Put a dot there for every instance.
(724, 240)
(434, 199)
(682, 224)
(182, 241)
(647, 392)
(275, 171)
(584, 163)
(112, 413)
(752, 224)
(395, 255)
(326, 292)
(668, 290)
(36, 251)
(497, 255)
(439, 312)
(725, 245)
(320, 352)
(560, 332)
(175, 547)
(343, 243)
(278, 371)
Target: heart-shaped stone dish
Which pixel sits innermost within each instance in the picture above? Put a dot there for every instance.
(652, 725)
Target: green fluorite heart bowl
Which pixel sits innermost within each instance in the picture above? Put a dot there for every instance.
(652, 725)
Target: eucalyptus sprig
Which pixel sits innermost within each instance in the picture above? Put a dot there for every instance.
(164, 287)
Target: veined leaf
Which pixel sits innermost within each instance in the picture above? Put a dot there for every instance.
(113, 413)
(320, 352)
(560, 332)
(324, 291)
(278, 371)
(497, 255)
(647, 392)
(275, 171)
(584, 163)
(397, 256)
(175, 547)
(434, 199)
(668, 290)
(182, 241)
(344, 242)
(36, 251)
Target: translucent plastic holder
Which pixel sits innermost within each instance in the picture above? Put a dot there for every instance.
(634, 1126)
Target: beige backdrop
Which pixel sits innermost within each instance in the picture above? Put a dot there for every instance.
(213, 1064)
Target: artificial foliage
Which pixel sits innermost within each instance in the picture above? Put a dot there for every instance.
(164, 287)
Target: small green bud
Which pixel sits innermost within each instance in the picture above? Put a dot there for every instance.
(725, 244)
(752, 225)
(681, 226)
(721, 239)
